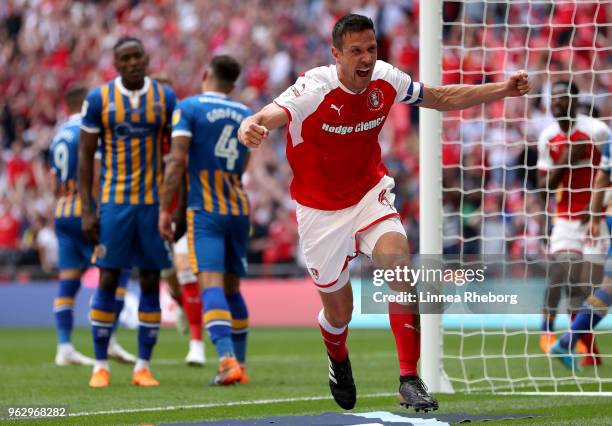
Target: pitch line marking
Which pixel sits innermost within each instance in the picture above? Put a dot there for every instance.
(303, 398)
(221, 404)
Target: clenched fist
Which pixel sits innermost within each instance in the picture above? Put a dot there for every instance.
(518, 83)
(252, 134)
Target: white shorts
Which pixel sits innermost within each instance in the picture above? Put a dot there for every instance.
(329, 239)
(180, 247)
(569, 236)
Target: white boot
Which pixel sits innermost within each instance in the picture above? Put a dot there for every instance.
(196, 356)
(67, 355)
(119, 354)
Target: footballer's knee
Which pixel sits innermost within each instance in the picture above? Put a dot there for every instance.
(109, 279)
(210, 279)
(338, 306)
(339, 316)
(149, 280)
(231, 283)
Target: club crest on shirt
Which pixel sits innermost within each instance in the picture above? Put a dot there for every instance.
(375, 100)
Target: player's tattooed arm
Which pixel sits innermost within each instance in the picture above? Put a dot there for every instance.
(173, 178)
(255, 128)
(87, 150)
(459, 96)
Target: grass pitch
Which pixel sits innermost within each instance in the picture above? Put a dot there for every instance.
(288, 372)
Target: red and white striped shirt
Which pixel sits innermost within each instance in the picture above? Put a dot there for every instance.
(332, 134)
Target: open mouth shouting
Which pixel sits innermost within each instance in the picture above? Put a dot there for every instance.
(363, 72)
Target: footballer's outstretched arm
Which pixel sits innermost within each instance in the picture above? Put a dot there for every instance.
(88, 143)
(173, 178)
(460, 96)
(255, 128)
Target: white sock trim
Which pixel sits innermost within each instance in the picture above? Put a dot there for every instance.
(327, 326)
(101, 364)
(140, 364)
(65, 347)
(186, 277)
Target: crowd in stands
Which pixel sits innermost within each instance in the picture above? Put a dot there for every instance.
(488, 152)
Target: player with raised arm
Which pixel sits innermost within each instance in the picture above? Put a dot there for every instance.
(334, 115)
(204, 143)
(75, 251)
(595, 307)
(568, 157)
(130, 115)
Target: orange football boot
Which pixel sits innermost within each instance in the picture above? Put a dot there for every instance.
(229, 371)
(143, 377)
(581, 348)
(100, 379)
(546, 342)
(245, 379)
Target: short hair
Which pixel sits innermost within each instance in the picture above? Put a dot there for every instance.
(225, 69)
(127, 39)
(569, 85)
(74, 95)
(351, 23)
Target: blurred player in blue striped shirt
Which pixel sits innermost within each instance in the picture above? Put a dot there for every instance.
(75, 252)
(130, 115)
(204, 141)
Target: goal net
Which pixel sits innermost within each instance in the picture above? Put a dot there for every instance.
(492, 201)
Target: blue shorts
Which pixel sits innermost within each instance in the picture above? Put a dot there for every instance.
(217, 243)
(129, 238)
(74, 249)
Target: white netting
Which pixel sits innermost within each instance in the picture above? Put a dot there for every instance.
(492, 203)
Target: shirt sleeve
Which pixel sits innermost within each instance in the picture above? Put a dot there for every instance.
(545, 161)
(91, 112)
(181, 120)
(301, 99)
(602, 133)
(408, 91)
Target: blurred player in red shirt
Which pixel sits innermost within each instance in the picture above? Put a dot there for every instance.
(568, 157)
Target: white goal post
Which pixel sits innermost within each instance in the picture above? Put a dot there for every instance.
(430, 185)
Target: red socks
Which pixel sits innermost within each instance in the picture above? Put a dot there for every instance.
(407, 332)
(334, 338)
(192, 305)
(406, 329)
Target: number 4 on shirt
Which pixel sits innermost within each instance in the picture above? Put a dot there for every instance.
(226, 147)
